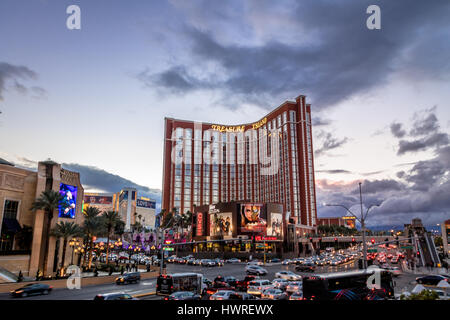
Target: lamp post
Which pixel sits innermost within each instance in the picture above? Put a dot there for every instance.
(362, 220)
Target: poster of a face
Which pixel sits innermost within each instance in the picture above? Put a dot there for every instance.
(276, 225)
(67, 210)
(251, 219)
(221, 224)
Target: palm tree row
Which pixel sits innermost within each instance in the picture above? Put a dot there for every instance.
(95, 224)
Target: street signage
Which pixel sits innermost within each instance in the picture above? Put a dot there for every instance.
(406, 247)
(372, 250)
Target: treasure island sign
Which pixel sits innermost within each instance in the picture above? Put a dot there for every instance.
(220, 128)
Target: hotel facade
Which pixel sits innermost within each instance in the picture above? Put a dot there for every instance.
(267, 161)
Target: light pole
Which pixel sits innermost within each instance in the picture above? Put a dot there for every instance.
(361, 220)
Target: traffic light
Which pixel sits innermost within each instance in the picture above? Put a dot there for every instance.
(373, 241)
(335, 240)
(353, 239)
(418, 253)
(310, 239)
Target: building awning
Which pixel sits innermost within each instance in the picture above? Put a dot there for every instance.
(11, 225)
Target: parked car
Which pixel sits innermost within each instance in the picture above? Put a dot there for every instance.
(273, 294)
(32, 289)
(114, 296)
(221, 295)
(129, 277)
(183, 295)
(256, 270)
(288, 275)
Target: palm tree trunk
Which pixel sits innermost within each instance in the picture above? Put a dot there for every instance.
(91, 244)
(107, 247)
(63, 256)
(47, 241)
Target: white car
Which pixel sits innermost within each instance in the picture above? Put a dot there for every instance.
(256, 287)
(255, 270)
(288, 275)
(280, 283)
(294, 286)
(255, 263)
(221, 295)
(286, 262)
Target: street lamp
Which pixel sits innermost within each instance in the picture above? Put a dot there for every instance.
(362, 220)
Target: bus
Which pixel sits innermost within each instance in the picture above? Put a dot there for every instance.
(166, 284)
(350, 285)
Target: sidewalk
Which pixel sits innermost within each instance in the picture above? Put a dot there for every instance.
(424, 270)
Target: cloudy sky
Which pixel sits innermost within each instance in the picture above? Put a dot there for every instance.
(95, 99)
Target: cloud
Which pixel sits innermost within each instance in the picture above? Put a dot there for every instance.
(327, 51)
(98, 179)
(379, 185)
(335, 171)
(425, 124)
(319, 122)
(14, 74)
(432, 141)
(329, 142)
(397, 131)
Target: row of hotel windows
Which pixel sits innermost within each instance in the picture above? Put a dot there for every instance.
(274, 187)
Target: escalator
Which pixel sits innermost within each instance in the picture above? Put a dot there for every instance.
(432, 249)
(425, 252)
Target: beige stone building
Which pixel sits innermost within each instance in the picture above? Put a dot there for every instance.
(23, 231)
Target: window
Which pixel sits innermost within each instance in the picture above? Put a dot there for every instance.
(10, 209)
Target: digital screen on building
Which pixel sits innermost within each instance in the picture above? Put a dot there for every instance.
(275, 226)
(221, 224)
(145, 204)
(88, 199)
(252, 219)
(349, 222)
(123, 196)
(67, 210)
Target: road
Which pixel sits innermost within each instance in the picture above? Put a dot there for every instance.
(403, 282)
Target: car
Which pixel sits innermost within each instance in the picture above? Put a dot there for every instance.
(297, 295)
(395, 271)
(208, 263)
(273, 294)
(275, 260)
(219, 262)
(288, 275)
(230, 280)
(114, 296)
(256, 270)
(129, 277)
(302, 268)
(294, 286)
(432, 279)
(222, 295)
(190, 261)
(256, 287)
(286, 262)
(280, 283)
(183, 295)
(241, 296)
(242, 285)
(32, 289)
(255, 262)
(233, 260)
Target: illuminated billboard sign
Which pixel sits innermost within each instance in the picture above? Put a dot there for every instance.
(69, 201)
(252, 219)
(94, 199)
(275, 226)
(349, 222)
(200, 220)
(145, 204)
(221, 224)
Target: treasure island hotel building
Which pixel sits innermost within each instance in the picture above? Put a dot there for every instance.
(208, 163)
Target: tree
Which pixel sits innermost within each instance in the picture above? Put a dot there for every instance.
(119, 228)
(423, 295)
(48, 201)
(66, 230)
(110, 219)
(93, 226)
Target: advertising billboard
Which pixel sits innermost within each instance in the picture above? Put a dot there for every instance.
(252, 218)
(145, 204)
(349, 222)
(67, 210)
(88, 199)
(123, 196)
(221, 224)
(275, 226)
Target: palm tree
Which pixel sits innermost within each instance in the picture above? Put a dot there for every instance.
(48, 201)
(65, 230)
(93, 225)
(110, 219)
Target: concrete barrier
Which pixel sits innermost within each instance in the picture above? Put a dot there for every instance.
(62, 283)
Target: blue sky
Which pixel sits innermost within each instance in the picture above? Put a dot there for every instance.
(97, 97)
